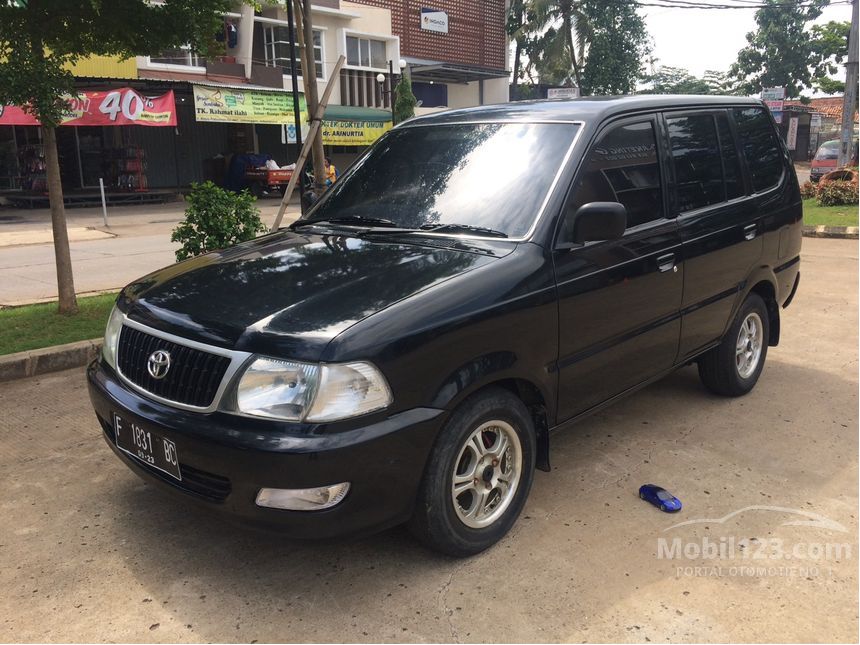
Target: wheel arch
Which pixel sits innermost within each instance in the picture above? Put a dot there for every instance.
(499, 370)
(766, 289)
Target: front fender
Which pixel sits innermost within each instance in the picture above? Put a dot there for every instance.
(485, 370)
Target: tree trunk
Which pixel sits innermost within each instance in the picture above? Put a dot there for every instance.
(568, 34)
(517, 7)
(516, 66)
(310, 81)
(68, 303)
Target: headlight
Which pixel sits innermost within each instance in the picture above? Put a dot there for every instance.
(349, 390)
(305, 392)
(114, 325)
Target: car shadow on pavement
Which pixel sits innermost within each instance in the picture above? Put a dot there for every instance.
(228, 582)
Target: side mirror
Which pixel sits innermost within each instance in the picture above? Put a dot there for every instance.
(597, 221)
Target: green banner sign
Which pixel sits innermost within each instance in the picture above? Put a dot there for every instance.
(230, 105)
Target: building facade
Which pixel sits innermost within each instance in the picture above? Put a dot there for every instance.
(457, 50)
(455, 53)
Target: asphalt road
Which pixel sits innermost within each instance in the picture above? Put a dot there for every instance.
(90, 553)
(136, 243)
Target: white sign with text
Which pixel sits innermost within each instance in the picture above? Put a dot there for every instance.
(434, 20)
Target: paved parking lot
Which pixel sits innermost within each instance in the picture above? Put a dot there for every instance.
(90, 553)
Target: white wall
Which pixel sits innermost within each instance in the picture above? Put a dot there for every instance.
(496, 90)
(460, 96)
(469, 95)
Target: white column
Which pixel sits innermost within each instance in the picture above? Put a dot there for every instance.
(246, 38)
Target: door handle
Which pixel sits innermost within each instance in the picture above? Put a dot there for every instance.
(667, 263)
(750, 231)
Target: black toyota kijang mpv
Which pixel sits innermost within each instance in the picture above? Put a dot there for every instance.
(477, 280)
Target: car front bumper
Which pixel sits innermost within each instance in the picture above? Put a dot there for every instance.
(226, 459)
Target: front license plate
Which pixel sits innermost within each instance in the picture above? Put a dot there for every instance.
(146, 446)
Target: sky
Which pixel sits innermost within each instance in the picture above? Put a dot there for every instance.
(701, 39)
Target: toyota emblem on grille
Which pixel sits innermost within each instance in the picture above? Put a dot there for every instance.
(158, 364)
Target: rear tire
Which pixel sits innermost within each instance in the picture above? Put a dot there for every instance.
(478, 476)
(734, 366)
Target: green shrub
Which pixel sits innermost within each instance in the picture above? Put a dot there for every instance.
(837, 193)
(215, 219)
(807, 190)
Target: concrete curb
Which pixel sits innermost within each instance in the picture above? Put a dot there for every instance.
(844, 232)
(48, 359)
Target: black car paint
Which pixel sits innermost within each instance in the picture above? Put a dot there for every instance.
(569, 329)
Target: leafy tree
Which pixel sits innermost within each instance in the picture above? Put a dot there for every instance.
(215, 219)
(595, 45)
(830, 47)
(404, 99)
(675, 80)
(561, 36)
(618, 45)
(718, 82)
(40, 39)
(783, 52)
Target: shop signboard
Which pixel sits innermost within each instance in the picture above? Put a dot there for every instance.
(123, 106)
(434, 20)
(775, 106)
(352, 133)
(562, 93)
(344, 133)
(229, 105)
(791, 136)
(815, 121)
(772, 94)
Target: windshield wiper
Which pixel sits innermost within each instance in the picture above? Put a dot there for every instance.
(454, 228)
(360, 220)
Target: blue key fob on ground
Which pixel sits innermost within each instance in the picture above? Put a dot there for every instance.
(660, 497)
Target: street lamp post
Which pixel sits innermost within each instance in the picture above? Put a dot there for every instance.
(380, 78)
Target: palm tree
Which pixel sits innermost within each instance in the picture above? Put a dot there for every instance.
(563, 39)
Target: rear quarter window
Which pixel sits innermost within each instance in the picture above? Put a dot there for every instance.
(761, 147)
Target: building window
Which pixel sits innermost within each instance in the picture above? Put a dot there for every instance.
(178, 56)
(364, 52)
(276, 45)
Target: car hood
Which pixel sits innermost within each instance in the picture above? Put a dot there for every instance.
(288, 294)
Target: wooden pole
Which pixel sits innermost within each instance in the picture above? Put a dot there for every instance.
(316, 123)
(312, 97)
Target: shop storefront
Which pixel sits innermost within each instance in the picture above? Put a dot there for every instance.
(90, 141)
(194, 131)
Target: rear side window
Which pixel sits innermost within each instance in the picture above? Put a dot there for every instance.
(761, 147)
(696, 157)
(731, 162)
(623, 167)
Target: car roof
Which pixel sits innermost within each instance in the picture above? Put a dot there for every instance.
(584, 109)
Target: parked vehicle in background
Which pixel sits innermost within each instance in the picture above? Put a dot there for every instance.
(826, 159)
(479, 279)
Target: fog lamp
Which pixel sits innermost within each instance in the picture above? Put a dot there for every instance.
(303, 499)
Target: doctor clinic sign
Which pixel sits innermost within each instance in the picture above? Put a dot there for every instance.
(123, 106)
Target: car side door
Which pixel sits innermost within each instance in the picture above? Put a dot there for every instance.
(618, 299)
(717, 219)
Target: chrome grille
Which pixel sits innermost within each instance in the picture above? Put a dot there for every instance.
(194, 375)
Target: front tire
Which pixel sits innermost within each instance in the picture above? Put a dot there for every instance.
(478, 476)
(734, 366)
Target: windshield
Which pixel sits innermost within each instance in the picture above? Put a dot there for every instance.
(493, 176)
(829, 150)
